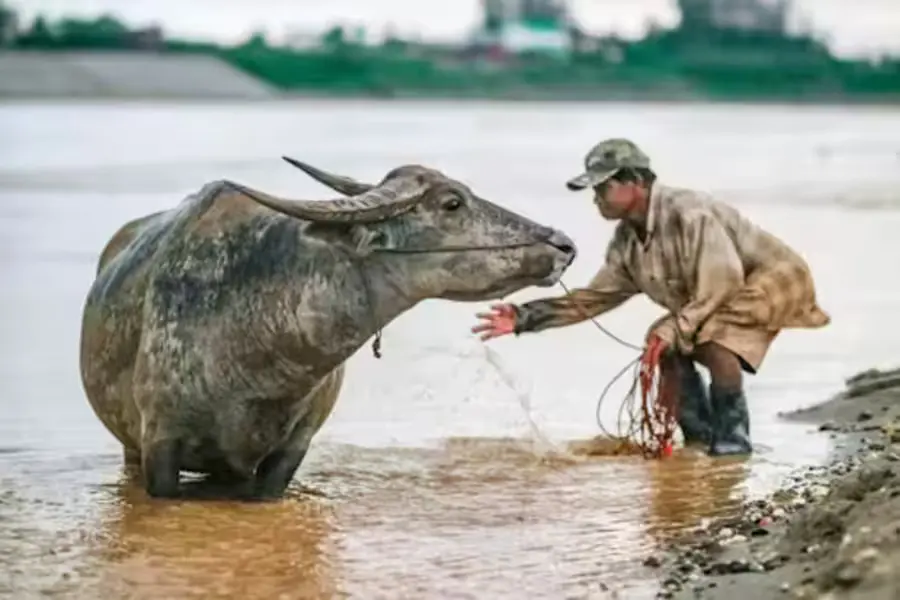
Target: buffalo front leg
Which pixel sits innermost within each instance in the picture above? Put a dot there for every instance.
(277, 470)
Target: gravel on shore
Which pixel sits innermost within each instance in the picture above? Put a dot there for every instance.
(831, 532)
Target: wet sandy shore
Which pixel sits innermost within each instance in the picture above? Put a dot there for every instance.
(830, 532)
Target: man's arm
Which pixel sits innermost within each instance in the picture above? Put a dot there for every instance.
(718, 269)
(609, 288)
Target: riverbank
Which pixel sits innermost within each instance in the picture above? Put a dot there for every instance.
(254, 74)
(831, 532)
(122, 75)
(607, 95)
(338, 99)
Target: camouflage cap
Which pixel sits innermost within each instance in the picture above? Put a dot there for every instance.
(605, 159)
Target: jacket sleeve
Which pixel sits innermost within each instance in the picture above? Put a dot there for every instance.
(609, 288)
(718, 272)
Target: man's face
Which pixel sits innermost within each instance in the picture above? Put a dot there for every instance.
(614, 199)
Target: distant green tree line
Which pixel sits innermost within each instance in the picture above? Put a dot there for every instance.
(66, 34)
(718, 64)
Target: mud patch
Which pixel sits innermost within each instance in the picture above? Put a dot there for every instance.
(602, 445)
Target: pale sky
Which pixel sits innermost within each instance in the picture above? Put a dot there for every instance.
(852, 28)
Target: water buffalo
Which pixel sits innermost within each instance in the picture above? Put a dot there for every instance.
(215, 333)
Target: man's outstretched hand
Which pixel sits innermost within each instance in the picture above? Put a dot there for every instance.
(500, 321)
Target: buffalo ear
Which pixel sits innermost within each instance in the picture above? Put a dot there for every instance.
(368, 239)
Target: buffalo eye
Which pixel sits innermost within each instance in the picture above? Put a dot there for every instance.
(452, 203)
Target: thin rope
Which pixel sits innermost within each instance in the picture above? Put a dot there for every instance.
(601, 327)
(651, 425)
(376, 343)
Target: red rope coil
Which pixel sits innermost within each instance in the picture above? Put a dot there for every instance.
(659, 403)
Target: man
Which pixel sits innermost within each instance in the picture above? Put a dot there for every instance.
(728, 285)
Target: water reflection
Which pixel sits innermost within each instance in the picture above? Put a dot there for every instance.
(683, 490)
(471, 518)
(691, 487)
(200, 548)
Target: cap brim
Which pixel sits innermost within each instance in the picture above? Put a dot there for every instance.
(586, 180)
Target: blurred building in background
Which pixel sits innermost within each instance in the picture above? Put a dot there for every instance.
(9, 26)
(517, 26)
(768, 16)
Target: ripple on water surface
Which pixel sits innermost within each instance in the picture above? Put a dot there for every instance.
(473, 517)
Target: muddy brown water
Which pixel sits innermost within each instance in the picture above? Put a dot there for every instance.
(440, 473)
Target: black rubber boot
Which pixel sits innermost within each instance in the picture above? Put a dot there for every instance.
(694, 410)
(731, 423)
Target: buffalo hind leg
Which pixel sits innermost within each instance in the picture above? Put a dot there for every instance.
(131, 457)
(161, 466)
(131, 460)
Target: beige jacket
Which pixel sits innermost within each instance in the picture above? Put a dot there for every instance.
(709, 266)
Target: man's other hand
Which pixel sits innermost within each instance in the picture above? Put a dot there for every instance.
(500, 321)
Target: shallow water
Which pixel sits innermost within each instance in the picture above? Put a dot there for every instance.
(430, 478)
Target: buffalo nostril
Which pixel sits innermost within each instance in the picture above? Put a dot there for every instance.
(562, 242)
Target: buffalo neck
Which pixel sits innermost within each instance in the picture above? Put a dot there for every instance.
(343, 299)
(384, 286)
